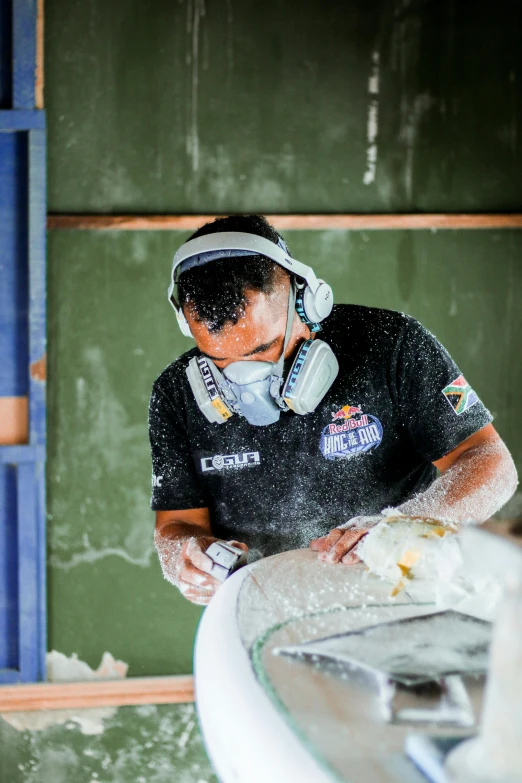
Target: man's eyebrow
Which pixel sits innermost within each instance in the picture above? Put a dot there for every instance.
(259, 349)
(262, 348)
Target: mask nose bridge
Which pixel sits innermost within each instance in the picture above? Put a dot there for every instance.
(247, 372)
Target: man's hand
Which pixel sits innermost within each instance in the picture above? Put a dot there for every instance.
(338, 546)
(181, 539)
(194, 579)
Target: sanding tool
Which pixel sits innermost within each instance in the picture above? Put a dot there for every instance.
(226, 559)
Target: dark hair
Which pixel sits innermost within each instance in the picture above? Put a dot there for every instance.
(216, 290)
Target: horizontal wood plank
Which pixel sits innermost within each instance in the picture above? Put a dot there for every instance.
(39, 74)
(14, 420)
(96, 693)
(289, 222)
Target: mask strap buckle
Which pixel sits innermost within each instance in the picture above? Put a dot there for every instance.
(224, 387)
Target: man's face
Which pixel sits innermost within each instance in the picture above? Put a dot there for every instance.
(258, 335)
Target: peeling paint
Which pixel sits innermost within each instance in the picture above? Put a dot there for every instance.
(230, 39)
(38, 369)
(412, 114)
(195, 12)
(93, 555)
(101, 415)
(61, 668)
(372, 123)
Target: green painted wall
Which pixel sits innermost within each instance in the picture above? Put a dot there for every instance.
(113, 332)
(233, 106)
(242, 106)
(146, 744)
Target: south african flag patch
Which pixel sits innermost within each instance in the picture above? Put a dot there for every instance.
(460, 395)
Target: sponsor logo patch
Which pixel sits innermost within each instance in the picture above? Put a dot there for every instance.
(219, 462)
(460, 395)
(351, 432)
(157, 481)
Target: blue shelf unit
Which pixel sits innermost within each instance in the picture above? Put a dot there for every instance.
(22, 346)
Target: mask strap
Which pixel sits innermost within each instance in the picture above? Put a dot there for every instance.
(278, 369)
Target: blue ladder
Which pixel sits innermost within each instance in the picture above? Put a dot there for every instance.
(22, 346)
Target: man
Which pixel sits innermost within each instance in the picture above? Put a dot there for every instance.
(398, 410)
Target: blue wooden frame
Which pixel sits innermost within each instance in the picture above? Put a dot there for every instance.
(25, 465)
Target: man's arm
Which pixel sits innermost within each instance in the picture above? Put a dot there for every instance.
(181, 539)
(181, 536)
(478, 478)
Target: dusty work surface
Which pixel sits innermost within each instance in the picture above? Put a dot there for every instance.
(292, 598)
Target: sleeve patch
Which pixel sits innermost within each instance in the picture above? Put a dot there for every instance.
(460, 395)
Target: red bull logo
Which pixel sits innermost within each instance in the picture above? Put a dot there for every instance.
(346, 412)
(348, 425)
(351, 432)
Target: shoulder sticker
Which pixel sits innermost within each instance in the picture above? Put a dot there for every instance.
(460, 395)
(351, 432)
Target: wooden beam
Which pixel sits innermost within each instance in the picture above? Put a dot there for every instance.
(289, 222)
(96, 693)
(14, 421)
(39, 75)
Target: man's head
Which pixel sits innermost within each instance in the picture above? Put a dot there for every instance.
(237, 307)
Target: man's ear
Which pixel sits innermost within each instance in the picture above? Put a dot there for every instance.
(183, 322)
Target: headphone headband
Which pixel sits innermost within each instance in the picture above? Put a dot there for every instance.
(314, 301)
(225, 243)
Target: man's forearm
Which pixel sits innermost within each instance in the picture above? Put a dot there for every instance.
(473, 488)
(178, 530)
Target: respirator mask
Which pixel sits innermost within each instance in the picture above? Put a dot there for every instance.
(259, 391)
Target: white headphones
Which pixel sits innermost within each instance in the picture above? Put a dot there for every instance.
(314, 297)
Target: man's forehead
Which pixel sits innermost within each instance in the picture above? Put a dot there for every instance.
(258, 325)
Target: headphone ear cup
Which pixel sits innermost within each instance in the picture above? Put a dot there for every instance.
(183, 325)
(318, 306)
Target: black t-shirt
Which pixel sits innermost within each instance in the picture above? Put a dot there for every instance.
(398, 404)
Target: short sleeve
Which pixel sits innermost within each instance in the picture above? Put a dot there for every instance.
(437, 405)
(174, 479)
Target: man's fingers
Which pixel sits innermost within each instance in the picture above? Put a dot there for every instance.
(325, 543)
(189, 587)
(201, 560)
(200, 597)
(317, 543)
(196, 553)
(198, 601)
(201, 601)
(197, 595)
(342, 546)
(350, 559)
(192, 575)
(333, 542)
